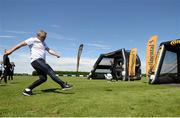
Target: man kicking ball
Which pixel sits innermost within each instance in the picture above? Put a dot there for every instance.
(38, 50)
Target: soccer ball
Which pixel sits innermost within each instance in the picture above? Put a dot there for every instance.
(108, 76)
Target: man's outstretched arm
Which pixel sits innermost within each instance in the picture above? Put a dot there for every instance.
(8, 52)
(52, 52)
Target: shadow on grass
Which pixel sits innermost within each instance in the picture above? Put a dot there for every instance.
(108, 90)
(53, 90)
(172, 84)
(14, 82)
(3, 84)
(145, 81)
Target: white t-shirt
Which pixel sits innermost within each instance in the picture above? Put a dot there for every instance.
(37, 48)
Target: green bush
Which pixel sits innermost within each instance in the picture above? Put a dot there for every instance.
(21, 74)
(61, 73)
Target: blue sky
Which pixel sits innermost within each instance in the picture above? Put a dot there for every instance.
(101, 25)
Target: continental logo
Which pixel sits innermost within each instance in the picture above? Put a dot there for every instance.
(152, 48)
(175, 42)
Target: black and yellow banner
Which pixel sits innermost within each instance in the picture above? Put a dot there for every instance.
(132, 62)
(150, 54)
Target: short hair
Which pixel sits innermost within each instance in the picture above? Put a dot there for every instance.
(41, 33)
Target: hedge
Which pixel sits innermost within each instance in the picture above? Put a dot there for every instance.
(61, 73)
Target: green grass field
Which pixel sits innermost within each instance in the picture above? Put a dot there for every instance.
(89, 98)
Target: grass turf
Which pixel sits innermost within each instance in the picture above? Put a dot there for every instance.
(89, 98)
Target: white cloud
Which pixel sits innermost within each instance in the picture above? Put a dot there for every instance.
(60, 37)
(55, 36)
(17, 32)
(98, 45)
(71, 39)
(131, 41)
(54, 26)
(69, 63)
(6, 36)
(23, 64)
(2, 48)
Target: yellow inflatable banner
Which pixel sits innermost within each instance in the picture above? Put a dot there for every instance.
(132, 62)
(150, 54)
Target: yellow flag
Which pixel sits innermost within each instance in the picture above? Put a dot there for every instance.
(132, 62)
(150, 54)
